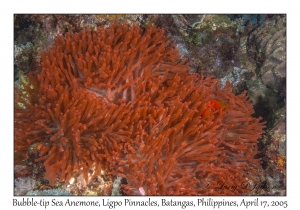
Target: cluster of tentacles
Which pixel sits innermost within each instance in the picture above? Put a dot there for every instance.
(122, 100)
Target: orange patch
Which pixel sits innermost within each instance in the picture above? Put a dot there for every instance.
(281, 160)
(231, 35)
(39, 147)
(211, 106)
(219, 32)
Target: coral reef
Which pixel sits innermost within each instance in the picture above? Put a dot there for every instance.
(23, 185)
(116, 187)
(273, 145)
(35, 32)
(275, 158)
(23, 58)
(99, 185)
(265, 101)
(121, 99)
(246, 18)
(267, 46)
(210, 42)
(53, 192)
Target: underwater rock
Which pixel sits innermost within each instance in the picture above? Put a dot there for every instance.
(274, 160)
(265, 100)
(208, 41)
(212, 44)
(100, 185)
(116, 187)
(53, 192)
(252, 18)
(23, 185)
(22, 59)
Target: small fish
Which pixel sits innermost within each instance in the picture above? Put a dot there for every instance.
(211, 106)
